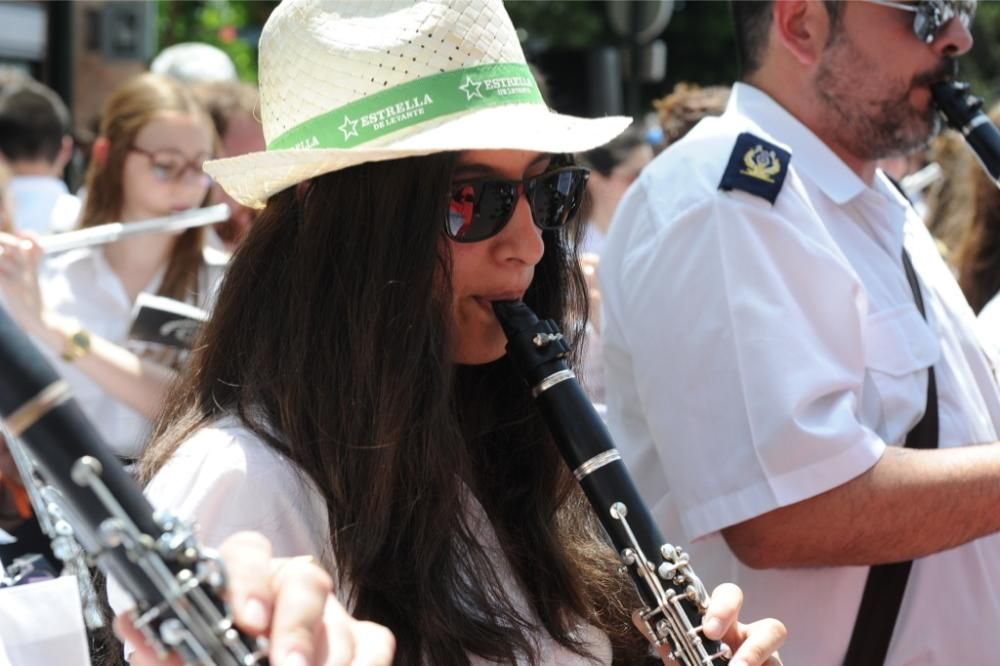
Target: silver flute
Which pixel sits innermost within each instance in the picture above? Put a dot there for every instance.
(674, 597)
(109, 233)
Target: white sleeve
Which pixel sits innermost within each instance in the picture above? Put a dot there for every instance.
(227, 481)
(744, 326)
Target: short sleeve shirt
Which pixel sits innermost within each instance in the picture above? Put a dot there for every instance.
(757, 355)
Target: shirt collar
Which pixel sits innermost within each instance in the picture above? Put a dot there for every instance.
(811, 157)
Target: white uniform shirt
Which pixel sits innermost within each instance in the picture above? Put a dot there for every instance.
(227, 480)
(43, 204)
(82, 286)
(989, 327)
(759, 355)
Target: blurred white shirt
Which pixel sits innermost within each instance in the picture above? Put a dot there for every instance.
(82, 286)
(43, 204)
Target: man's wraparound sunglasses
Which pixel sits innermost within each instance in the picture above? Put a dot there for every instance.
(480, 209)
(931, 16)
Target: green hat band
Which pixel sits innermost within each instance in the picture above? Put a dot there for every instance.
(413, 102)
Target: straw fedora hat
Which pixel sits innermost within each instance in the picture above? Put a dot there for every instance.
(343, 82)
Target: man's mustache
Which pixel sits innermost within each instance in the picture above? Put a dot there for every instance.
(945, 71)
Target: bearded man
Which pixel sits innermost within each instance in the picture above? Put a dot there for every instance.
(778, 324)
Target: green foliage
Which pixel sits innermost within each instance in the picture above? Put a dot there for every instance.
(699, 37)
(700, 43)
(231, 25)
(558, 24)
(981, 66)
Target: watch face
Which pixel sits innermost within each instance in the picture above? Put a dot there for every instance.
(81, 340)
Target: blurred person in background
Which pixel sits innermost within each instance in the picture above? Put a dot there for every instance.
(232, 105)
(194, 62)
(684, 108)
(36, 143)
(146, 163)
(978, 257)
(949, 200)
(613, 167)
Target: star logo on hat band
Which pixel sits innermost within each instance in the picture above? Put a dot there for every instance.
(471, 88)
(349, 128)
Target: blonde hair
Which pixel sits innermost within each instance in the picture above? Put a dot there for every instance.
(684, 108)
(131, 107)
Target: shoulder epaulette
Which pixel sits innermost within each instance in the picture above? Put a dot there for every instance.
(756, 166)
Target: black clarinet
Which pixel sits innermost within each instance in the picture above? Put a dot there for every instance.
(963, 111)
(673, 596)
(177, 586)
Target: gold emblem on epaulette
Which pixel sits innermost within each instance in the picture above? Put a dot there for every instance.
(761, 164)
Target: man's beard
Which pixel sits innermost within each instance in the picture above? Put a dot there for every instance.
(876, 126)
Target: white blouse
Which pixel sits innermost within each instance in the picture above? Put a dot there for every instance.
(82, 286)
(227, 480)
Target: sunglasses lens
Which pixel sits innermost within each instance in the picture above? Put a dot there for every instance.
(556, 196)
(933, 16)
(479, 210)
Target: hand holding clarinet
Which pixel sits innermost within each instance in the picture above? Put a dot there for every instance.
(680, 620)
(180, 589)
(290, 602)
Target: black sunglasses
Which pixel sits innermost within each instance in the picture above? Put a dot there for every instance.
(480, 209)
(931, 16)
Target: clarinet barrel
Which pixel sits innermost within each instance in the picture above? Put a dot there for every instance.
(964, 112)
(674, 598)
(177, 586)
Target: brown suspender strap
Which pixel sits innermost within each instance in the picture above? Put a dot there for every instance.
(886, 583)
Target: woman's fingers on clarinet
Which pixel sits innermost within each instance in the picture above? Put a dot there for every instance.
(757, 644)
(304, 631)
(143, 655)
(374, 645)
(248, 566)
(723, 610)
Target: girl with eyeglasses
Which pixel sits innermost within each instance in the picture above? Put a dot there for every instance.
(145, 163)
(351, 398)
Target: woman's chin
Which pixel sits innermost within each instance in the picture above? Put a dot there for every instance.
(479, 354)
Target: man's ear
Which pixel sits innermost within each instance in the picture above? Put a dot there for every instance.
(802, 27)
(65, 154)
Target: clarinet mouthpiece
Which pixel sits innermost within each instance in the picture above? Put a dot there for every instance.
(514, 317)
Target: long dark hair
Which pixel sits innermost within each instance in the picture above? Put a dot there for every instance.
(331, 329)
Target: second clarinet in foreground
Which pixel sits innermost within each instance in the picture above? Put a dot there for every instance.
(177, 585)
(674, 599)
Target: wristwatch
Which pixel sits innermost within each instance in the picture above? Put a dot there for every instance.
(76, 346)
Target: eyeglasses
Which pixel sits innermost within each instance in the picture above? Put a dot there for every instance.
(171, 166)
(480, 209)
(932, 16)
